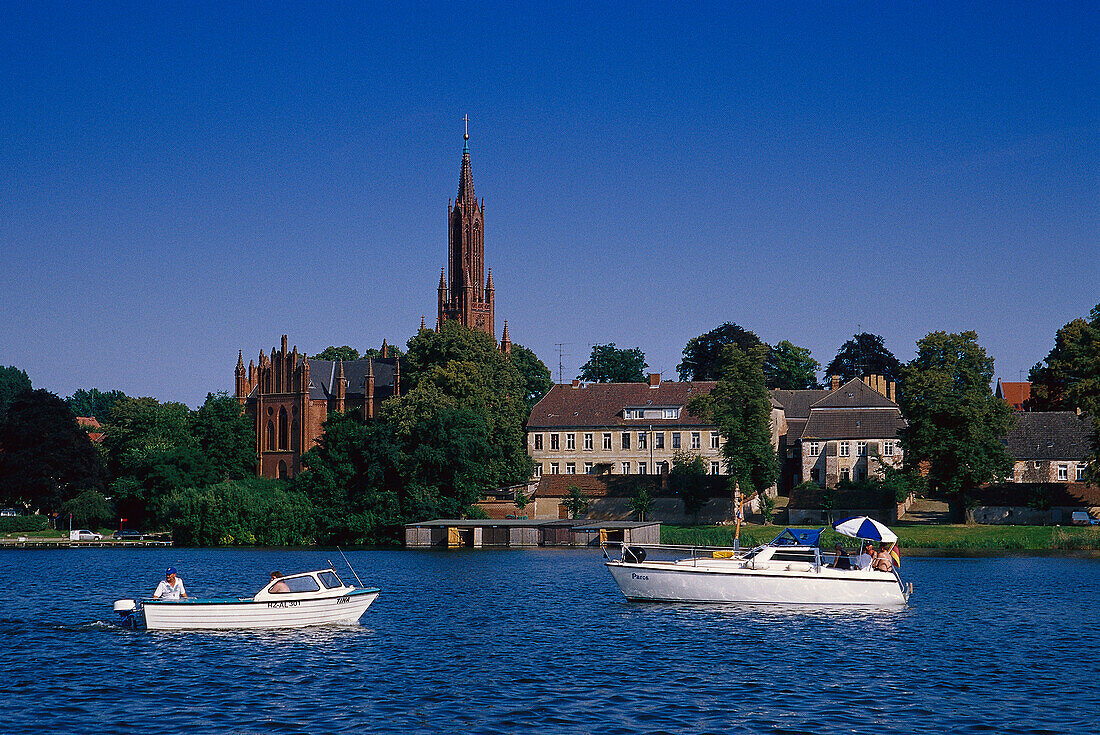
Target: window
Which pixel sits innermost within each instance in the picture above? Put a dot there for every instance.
(643, 440)
(845, 449)
(641, 468)
(570, 468)
(845, 474)
(815, 475)
(814, 448)
(607, 441)
(588, 468)
(330, 580)
(695, 440)
(538, 442)
(299, 584)
(669, 413)
(1063, 472)
(554, 443)
(570, 441)
(857, 473)
(538, 469)
(715, 468)
(658, 440)
(675, 440)
(553, 468)
(1081, 472)
(714, 440)
(626, 468)
(626, 440)
(861, 449)
(588, 441)
(662, 468)
(888, 449)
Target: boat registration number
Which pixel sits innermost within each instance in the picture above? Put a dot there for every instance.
(284, 603)
(634, 575)
(342, 600)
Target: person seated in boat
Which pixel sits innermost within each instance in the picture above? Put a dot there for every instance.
(279, 586)
(867, 557)
(171, 587)
(882, 561)
(841, 561)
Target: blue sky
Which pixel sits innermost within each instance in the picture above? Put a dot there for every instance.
(180, 182)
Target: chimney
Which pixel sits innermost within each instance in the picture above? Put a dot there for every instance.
(892, 387)
(834, 382)
(654, 380)
(576, 383)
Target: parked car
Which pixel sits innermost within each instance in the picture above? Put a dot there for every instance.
(85, 535)
(129, 534)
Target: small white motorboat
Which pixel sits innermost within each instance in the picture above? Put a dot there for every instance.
(297, 600)
(789, 570)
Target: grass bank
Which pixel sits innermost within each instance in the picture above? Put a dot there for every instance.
(960, 538)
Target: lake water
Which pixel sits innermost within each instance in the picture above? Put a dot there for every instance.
(538, 640)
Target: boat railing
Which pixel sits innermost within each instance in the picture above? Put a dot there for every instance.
(694, 552)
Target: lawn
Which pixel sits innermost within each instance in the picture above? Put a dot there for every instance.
(960, 538)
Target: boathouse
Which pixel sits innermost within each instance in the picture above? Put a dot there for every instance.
(520, 532)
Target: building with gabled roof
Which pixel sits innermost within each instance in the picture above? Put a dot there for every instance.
(1050, 446)
(1016, 395)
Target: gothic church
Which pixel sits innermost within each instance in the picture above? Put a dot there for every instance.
(288, 396)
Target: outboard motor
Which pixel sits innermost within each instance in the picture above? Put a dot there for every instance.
(633, 554)
(127, 611)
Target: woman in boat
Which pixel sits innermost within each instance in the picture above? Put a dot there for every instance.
(882, 561)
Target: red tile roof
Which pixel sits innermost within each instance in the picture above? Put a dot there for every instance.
(1014, 394)
(90, 422)
(602, 404)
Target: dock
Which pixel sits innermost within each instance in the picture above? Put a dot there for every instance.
(60, 543)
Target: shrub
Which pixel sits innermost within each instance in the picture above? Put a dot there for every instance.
(15, 524)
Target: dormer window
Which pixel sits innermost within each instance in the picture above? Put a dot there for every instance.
(669, 413)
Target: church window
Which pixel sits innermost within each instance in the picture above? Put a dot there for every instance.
(295, 430)
(282, 429)
(282, 470)
(271, 436)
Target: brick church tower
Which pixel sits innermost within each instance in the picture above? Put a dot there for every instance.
(468, 298)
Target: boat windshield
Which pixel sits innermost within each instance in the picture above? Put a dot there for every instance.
(305, 583)
(330, 580)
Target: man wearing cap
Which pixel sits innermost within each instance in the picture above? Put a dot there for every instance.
(171, 587)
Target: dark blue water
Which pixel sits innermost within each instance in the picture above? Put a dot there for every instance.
(542, 640)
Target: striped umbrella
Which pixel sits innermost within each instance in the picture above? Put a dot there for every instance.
(866, 528)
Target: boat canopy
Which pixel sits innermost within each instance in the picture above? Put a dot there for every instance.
(798, 537)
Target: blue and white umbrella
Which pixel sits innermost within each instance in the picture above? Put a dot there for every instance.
(869, 529)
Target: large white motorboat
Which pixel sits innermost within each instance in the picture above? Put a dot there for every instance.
(294, 601)
(792, 569)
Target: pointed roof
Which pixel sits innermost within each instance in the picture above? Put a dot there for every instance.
(489, 284)
(442, 281)
(240, 361)
(855, 394)
(466, 177)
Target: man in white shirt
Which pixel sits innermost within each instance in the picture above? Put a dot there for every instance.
(171, 587)
(864, 561)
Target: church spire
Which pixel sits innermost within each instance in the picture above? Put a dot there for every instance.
(466, 178)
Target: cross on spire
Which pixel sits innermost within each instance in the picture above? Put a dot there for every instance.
(466, 120)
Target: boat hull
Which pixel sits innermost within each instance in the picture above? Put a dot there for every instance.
(343, 609)
(669, 582)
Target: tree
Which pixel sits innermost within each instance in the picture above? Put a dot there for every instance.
(89, 509)
(536, 376)
(337, 353)
(688, 479)
(225, 436)
(739, 405)
(1069, 377)
(702, 356)
(139, 429)
(13, 381)
(790, 367)
(955, 423)
(94, 402)
(576, 503)
(608, 364)
(47, 458)
(864, 354)
(641, 502)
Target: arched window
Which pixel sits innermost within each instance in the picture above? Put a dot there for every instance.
(271, 436)
(295, 443)
(282, 429)
(282, 470)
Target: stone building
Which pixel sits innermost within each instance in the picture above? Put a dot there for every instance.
(624, 428)
(1049, 446)
(850, 433)
(288, 397)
